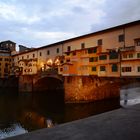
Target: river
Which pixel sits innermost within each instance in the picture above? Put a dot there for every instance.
(22, 113)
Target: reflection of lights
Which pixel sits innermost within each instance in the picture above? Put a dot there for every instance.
(49, 123)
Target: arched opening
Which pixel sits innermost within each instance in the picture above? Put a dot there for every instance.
(49, 90)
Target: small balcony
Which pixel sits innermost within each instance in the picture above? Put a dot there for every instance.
(126, 49)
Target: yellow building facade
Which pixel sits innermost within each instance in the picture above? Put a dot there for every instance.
(6, 59)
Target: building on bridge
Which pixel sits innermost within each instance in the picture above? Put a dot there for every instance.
(111, 52)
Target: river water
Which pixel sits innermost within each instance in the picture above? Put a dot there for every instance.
(22, 113)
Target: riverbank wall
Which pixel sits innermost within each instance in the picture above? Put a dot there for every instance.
(9, 85)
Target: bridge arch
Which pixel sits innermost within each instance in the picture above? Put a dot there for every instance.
(48, 83)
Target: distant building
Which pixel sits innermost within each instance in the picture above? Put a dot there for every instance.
(24, 48)
(8, 45)
(6, 60)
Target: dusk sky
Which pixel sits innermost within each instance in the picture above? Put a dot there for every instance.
(35, 23)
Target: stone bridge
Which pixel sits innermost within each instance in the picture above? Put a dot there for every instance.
(45, 80)
(47, 74)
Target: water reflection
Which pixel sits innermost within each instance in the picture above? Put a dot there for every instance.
(12, 130)
(27, 112)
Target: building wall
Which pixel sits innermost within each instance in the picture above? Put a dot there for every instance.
(109, 39)
(131, 33)
(5, 66)
(41, 56)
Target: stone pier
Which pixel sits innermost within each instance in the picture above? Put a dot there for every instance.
(90, 88)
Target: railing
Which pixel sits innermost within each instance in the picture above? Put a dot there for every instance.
(129, 48)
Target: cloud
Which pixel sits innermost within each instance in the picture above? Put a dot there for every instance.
(36, 22)
(117, 13)
(9, 12)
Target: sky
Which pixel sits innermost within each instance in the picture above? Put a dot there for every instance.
(35, 23)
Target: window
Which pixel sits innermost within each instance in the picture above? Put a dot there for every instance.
(0, 59)
(102, 68)
(138, 55)
(130, 55)
(93, 59)
(92, 50)
(27, 56)
(102, 57)
(40, 54)
(57, 50)
(126, 69)
(6, 59)
(93, 68)
(33, 55)
(48, 52)
(74, 53)
(68, 60)
(124, 55)
(61, 69)
(65, 68)
(69, 48)
(114, 68)
(137, 42)
(113, 55)
(138, 68)
(99, 42)
(22, 57)
(6, 64)
(61, 61)
(121, 38)
(82, 45)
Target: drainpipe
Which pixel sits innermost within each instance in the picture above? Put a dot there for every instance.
(124, 36)
(124, 43)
